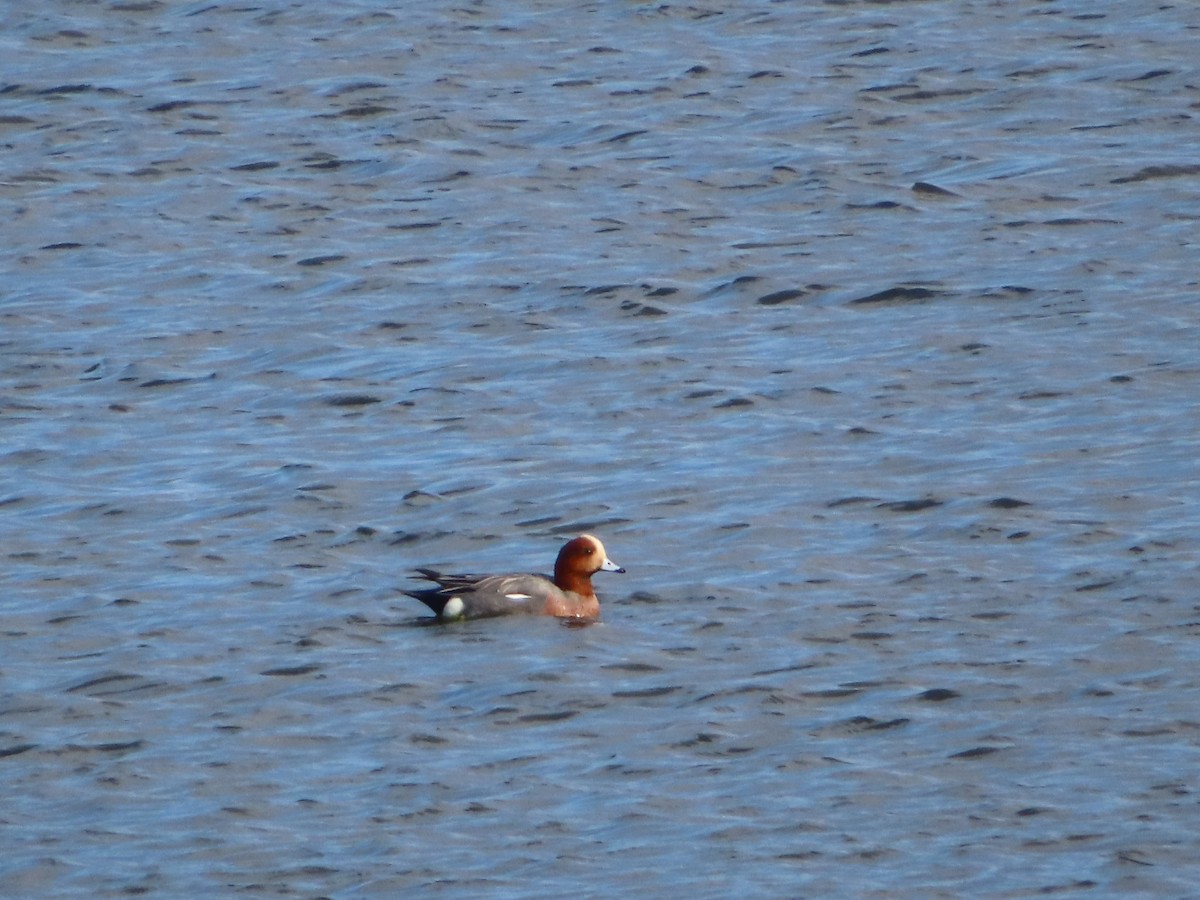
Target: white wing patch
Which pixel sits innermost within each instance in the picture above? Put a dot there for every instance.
(518, 598)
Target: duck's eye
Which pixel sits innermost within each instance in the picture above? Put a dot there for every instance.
(588, 551)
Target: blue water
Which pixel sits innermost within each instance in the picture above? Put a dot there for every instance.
(863, 334)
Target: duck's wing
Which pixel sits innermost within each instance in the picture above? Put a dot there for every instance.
(475, 596)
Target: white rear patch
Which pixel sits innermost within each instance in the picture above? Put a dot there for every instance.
(453, 609)
(518, 598)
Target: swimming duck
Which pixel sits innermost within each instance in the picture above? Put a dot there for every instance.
(568, 594)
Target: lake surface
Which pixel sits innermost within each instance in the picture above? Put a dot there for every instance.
(866, 335)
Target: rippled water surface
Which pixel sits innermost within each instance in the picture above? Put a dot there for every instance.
(865, 334)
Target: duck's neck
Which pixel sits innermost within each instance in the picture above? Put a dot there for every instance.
(573, 581)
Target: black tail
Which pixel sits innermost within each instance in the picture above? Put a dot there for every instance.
(434, 598)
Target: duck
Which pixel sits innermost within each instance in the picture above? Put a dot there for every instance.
(568, 594)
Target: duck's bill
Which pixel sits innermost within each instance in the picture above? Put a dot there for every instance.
(609, 566)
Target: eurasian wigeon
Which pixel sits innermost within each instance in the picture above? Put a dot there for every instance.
(569, 594)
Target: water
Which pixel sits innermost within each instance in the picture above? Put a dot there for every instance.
(864, 334)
